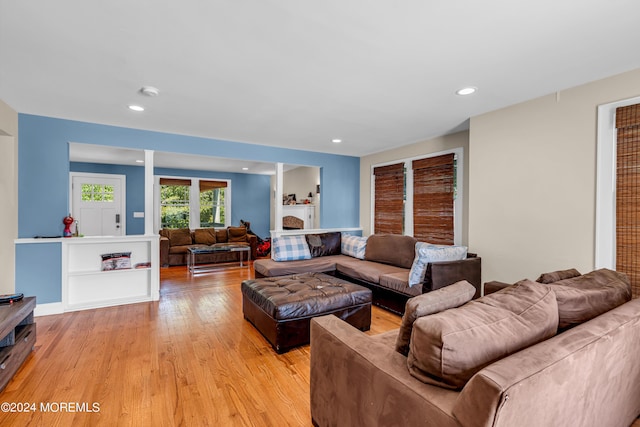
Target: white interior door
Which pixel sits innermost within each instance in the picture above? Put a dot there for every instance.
(98, 204)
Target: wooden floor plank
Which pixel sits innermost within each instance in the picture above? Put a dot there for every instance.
(188, 359)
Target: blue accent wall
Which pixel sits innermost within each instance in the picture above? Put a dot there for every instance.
(43, 168)
(43, 186)
(39, 271)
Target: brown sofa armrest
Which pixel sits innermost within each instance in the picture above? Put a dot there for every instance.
(164, 251)
(357, 379)
(440, 274)
(494, 286)
(252, 239)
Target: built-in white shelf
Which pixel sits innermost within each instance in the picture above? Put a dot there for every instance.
(85, 285)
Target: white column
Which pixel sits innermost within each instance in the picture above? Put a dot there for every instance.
(278, 197)
(148, 192)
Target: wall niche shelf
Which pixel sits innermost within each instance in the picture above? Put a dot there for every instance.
(85, 285)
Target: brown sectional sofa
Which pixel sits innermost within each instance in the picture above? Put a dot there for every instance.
(175, 242)
(585, 374)
(384, 269)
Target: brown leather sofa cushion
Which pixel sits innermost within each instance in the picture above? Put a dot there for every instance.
(324, 244)
(584, 297)
(180, 237)
(221, 236)
(558, 275)
(391, 249)
(448, 348)
(237, 234)
(431, 303)
(204, 236)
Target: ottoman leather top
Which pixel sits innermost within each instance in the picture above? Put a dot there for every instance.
(301, 295)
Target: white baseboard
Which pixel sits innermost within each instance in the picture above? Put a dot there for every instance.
(48, 309)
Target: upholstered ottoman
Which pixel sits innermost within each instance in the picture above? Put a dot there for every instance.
(281, 307)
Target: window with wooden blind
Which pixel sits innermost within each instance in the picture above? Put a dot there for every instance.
(212, 203)
(389, 199)
(628, 194)
(182, 207)
(433, 199)
(174, 202)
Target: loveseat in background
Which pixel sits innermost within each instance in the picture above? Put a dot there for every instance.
(385, 267)
(174, 244)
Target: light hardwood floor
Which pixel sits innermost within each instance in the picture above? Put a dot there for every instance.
(189, 359)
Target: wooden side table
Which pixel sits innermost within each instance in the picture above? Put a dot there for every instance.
(17, 336)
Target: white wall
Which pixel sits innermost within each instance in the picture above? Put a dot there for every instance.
(8, 195)
(532, 176)
(300, 181)
(447, 142)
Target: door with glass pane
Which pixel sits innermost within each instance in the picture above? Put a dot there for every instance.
(98, 204)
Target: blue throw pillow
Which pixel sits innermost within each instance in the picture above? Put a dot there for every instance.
(290, 248)
(426, 253)
(353, 246)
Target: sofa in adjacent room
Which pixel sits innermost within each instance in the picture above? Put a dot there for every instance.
(562, 353)
(394, 267)
(174, 243)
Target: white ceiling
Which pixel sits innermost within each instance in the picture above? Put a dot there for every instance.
(295, 74)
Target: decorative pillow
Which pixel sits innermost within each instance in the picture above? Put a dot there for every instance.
(584, 297)
(205, 236)
(324, 244)
(449, 347)
(290, 248)
(180, 237)
(237, 234)
(430, 303)
(558, 275)
(393, 249)
(354, 246)
(426, 253)
(221, 236)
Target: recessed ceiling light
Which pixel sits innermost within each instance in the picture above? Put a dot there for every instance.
(336, 141)
(139, 161)
(245, 169)
(136, 108)
(466, 90)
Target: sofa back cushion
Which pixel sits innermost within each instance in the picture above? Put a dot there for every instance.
(204, 236)
(221, 236)
(290, 248)
(324, 244)
(555, 276)
(237, 234)
(448, 348)
(431, 303)
(353, 246)
(584, 297)
(179, 236)
(393, 249)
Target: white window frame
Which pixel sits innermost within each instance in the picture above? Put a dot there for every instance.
(408, 206)
(194, 200)
(605, 238)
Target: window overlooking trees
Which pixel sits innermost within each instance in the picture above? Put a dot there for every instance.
(181, 208)
(212, 203)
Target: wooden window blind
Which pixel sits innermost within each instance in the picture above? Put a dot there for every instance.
(175, 181)
(433, 192)
(212, 185)
(628, 194)
(389, 199)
